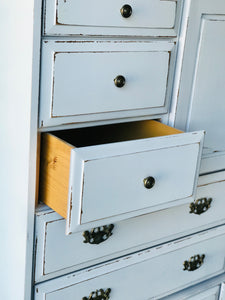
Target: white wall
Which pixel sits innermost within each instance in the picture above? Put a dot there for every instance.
(16, 188)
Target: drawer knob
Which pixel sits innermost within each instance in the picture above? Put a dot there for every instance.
(99, 295)
(126, 11)
(149, 182)
(98, 235)
(194, 262)
(200, 206)
(119, 81)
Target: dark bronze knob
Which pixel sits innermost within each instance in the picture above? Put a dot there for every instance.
(126, 11)
(119, 81)
(149, 182)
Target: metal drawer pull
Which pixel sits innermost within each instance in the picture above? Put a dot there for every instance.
(119, 81)
(98, 235)
(99, 295)
(149, 182)
(194, 262)
(200, 206)
(126, 11)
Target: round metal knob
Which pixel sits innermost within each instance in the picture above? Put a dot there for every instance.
(126, 11)
(149, 182)
(119, 81)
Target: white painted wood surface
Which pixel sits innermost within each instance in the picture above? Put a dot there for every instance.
(201, 94)
(77, 80)
(19, 61)
(128, 236)
(202, 292)
(106, 181)
(140, 276)
(222, 291)
(153, 17)
(84, 82)
(210, 285)
(210, 294)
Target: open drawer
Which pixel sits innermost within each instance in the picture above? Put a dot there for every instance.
(98, 175)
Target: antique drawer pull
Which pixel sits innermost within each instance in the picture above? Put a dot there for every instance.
(126, 11)
(200, 206)
(194, 262)
(119, 81)
(98, 235)
(99, 295)
(149, 182)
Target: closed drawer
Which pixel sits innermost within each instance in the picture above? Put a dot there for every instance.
(149, 274)
(98, 175)
(153, 17)
(127, 236)
(86, 81)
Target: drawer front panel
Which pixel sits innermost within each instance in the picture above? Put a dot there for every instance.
(117, 186)
(147, 276)
(129, 235)
(113, 175)
(79, 81)
(74, 17)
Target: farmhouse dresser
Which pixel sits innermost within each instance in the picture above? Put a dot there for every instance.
(126, 151)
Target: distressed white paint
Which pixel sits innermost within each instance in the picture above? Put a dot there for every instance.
(18, 131)
(152, 17)
(77, 80)
(191, 294)
(18, 125)
(140, 276)
(128, 236)
(210, 294)
(207, 286)
(106, 181)
(179, 59)
(84, 82)
(222, 291)
(200, 100)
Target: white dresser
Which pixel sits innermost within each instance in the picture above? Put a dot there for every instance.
(126, 113)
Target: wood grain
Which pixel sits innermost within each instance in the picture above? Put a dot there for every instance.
(54, 173)
(155, 129)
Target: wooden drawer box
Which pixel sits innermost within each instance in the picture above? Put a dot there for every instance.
(152, 17)
(100, 80)
(98, 175)
(149, 274)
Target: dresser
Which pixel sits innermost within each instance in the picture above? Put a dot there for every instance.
(125, 151)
